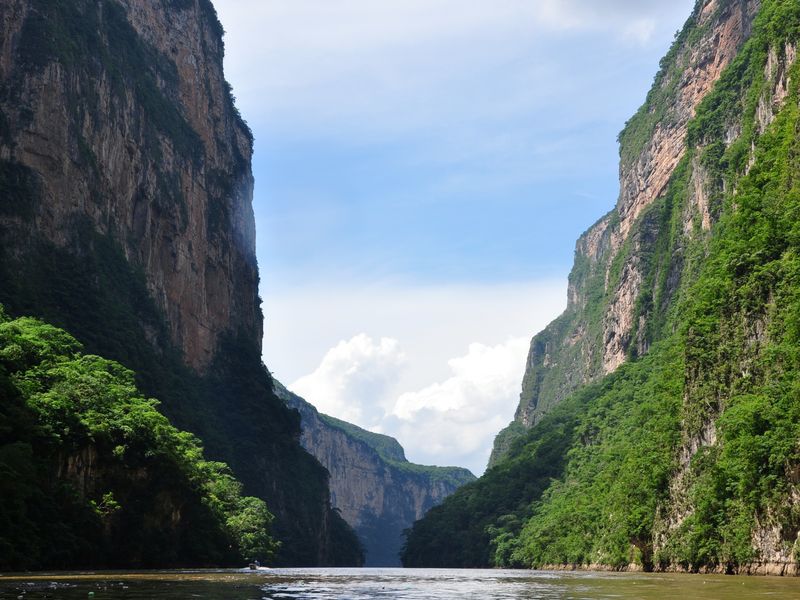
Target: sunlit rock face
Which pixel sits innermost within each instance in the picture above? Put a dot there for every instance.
(126, 218)
(377, 491)
(124, 121)
(606, 320)
(680, 454)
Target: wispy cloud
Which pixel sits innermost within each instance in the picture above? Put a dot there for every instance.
(365, 104)
(433, 323)
(457, 418)
(628, 20)
(395, 65)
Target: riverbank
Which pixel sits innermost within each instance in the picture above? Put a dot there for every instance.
(775, 569)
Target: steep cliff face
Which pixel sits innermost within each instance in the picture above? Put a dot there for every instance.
(95, 477)
(126, 219)
(683, 456)
(616, 293)
(119, 115)
(377, 491)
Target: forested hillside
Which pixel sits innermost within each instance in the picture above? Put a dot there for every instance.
(686, 453)
(94, 476)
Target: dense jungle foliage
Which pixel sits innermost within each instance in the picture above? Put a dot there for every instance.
(689, 456)
(92, 474)
(232, 409)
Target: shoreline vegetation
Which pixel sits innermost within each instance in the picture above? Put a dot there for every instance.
(782, 569)
(684, 457)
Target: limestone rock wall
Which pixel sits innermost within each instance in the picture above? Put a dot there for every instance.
(379, 493)
(143, 143)
(604, 323)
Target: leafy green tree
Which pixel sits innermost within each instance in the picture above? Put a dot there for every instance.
(94, 474)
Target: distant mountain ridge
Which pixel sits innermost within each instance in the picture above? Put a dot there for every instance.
(378, 492)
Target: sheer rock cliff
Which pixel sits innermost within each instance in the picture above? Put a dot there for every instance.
(126, 218)
(378, 492)
(610, 314)
(120, 113)
(658, 423)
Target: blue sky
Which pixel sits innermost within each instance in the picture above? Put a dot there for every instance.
(423, 169)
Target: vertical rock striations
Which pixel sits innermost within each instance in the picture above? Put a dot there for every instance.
(658, 428)
(616, 293)
(120, 116)
(378, 492)
(126, 218)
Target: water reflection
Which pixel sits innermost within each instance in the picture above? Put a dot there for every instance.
(428, 584)
(410, 584)
(415, 584)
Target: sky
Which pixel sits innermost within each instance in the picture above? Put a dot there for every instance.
(423, 169)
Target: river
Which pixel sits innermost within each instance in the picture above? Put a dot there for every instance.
(406, 584)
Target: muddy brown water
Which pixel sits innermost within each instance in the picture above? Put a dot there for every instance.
(407, 584)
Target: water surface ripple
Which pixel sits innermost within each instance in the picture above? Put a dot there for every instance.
(401, 584)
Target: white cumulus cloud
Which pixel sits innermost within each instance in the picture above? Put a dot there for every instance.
(354, 379)
(451, 422)
(485, 372)
(459, 417)
(439, 368)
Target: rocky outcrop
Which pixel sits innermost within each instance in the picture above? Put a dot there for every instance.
(776, 72)
(621, 247)
(377, 491)
(681, 453)
(718, 29)
(617, 295)
(141, 141)
(126, 218)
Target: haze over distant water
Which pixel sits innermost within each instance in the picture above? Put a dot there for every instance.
(422, 171)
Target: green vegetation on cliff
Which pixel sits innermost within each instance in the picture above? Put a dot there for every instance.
(459, 532)
(232, 409)
(391, 452)
(601, 510)
(94, 475)
(101, 267)
(387, 447)
(687, 456)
